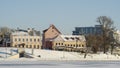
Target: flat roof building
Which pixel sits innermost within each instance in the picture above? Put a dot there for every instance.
(97, 29)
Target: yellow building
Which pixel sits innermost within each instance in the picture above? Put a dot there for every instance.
(26, 39)
(69, 43)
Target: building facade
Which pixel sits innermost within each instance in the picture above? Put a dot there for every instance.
(69, 43)
(97, 29)
(49, 34)
(116, 35)
(21, 37)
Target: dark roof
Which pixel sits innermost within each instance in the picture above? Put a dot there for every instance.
(54, 28)
(45, 30)
(22, 30)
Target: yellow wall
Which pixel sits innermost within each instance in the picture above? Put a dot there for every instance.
(73, 44)
(30, 43)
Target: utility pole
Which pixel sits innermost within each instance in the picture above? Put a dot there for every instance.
(6, 48)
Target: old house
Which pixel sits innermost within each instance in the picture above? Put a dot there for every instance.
(49, 34)
(69, 43)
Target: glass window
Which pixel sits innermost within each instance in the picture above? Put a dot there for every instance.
(79, 45)
(68, 45)
(19, 39)
(38, 40)
(56, 43)
(15, 39)
(23, 40)
(30, 46)
(26, 46)
(15, 45)
(34, 46)
(34, 40)
(76, 45)
(38, 46)
(26, 39)
(65, 44)
(31, 40)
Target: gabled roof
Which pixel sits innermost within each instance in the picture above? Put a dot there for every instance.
(70, 38)
(52, 27)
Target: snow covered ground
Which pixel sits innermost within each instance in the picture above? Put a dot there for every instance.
(55, 55)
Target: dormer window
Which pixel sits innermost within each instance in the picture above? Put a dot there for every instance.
(66, 38)
(52, 27)
(72, 38)
(77, 38)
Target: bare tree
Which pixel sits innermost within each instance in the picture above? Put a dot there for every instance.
(107, 26)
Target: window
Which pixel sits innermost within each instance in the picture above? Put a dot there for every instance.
(53, 28)
(56, 43)
(79, 45)
(72, 38)
(15, 39)
(65, 44)
(26, 46)
(38, 40)
(82, 45)
(76, 45)
(23, 40)
(34, 46)
(31, 40)
(15, 45)
(66, 38)
(77, 39)
(30, 46)
(38, 46)
(34, 40)
(27, 40)
(68, 45)
(61, 43)
(19, 39)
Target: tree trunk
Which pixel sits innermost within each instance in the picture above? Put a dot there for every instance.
(104, 49)
(112, 47)
(85, 53)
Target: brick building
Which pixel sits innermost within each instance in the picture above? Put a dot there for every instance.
(48, 35)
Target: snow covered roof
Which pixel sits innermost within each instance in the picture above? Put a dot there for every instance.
(70, 38)
(20, 33)
(73, 37)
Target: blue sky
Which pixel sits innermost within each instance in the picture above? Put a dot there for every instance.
(64, 14)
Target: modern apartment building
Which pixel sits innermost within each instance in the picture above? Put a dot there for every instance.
(97, 29)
